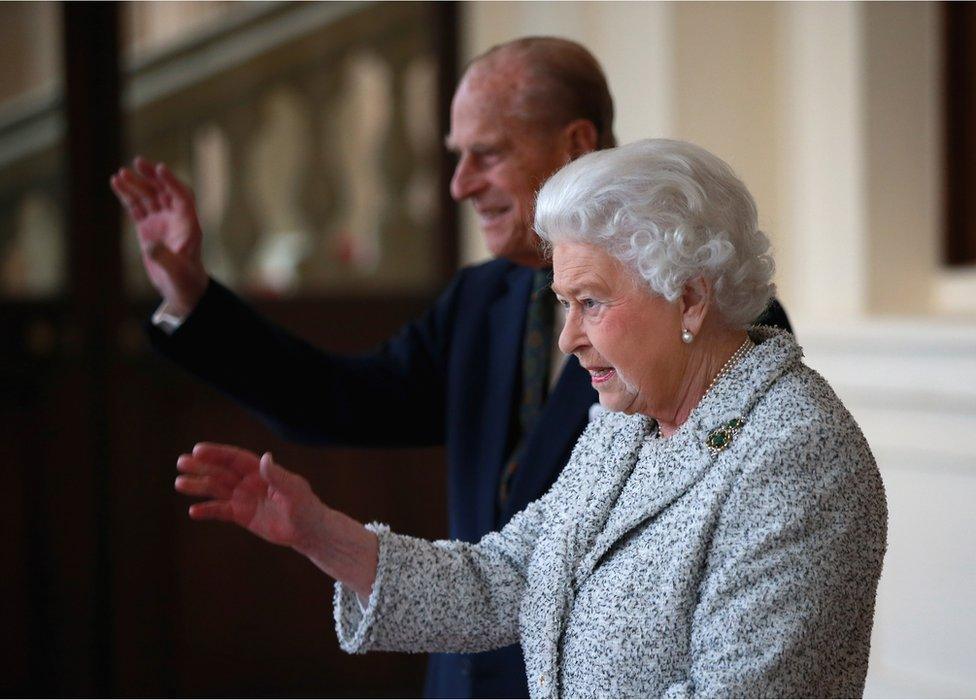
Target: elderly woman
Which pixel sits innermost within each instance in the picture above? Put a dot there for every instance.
(718, 531)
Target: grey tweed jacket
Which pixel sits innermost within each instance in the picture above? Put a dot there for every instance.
(660, 567)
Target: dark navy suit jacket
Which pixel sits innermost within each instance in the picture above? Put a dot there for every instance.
(449, 378)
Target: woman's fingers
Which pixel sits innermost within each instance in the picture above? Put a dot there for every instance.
(188, 464)
(237, 459)
(277, 476)
(212, 510)
(227, 478)
(204, 486)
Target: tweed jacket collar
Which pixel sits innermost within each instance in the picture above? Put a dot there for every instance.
(606, 458)
(669, 467)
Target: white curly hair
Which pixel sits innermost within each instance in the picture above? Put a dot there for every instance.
(670, 210)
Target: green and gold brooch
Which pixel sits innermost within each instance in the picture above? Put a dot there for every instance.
(722, 436)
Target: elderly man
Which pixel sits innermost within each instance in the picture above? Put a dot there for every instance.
(478, 372)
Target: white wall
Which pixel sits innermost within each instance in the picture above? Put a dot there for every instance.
(830, 113)
(911, 385)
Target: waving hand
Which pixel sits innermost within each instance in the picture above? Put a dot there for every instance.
(164, 213)
(280, 507)
(255, 493)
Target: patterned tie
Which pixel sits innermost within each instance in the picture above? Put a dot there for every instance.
(536, 358)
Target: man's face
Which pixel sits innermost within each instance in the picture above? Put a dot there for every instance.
(502, 162)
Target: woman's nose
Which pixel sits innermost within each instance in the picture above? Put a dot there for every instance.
(572, 337)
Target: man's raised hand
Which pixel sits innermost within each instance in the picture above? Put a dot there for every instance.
(164, 213)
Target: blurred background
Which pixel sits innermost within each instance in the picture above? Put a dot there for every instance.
(312, 135)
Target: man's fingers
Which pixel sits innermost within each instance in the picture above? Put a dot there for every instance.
(145, 187)
(242, 461)
(126, 197)
(115, 182)
(207, 486)
(130, 196)
(143, 190)
(212, 510)
(144, 167)
(173, 184)
(136, 184)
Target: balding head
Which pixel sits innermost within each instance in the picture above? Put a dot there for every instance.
(522, 111)
(548, 82)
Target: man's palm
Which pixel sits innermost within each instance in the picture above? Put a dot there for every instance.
(174, 227)
(164, 213)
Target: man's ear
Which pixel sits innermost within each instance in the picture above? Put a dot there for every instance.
(694, 303)
(579, 138)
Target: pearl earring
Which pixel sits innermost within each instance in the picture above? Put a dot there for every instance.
(687, 336)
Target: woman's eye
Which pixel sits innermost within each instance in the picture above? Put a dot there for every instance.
(589, 303)
(563, 303)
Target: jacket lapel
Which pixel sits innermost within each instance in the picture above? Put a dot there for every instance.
(606, 461)
(506, 318)
(670, 467)
(666, 470)
(548, 448)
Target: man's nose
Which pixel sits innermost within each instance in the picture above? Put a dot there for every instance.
(466, 180)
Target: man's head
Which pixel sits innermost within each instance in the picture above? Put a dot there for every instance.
(523, 110)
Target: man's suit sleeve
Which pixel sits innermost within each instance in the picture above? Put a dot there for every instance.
(393, 396)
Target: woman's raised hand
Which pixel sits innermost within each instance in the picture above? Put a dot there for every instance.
(280, 507)
(164, 213)
(255, 493)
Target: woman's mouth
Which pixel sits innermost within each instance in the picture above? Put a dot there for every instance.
(600, 375)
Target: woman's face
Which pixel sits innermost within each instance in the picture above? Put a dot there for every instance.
(624, 335)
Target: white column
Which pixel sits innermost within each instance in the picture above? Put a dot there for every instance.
(822, 161)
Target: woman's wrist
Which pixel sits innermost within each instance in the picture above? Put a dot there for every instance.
(344, 549)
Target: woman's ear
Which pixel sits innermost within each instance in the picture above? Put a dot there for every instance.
(694, 303)
(579, 138)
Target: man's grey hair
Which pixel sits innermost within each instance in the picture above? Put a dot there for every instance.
(669, 210)
(562, 82)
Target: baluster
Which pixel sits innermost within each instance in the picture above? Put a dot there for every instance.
(211, 177)
(322, 179)
(240, 226)
(364, 119)
(420, 196)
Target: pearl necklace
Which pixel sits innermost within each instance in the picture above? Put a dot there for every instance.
(730, 363)
(742, 351)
